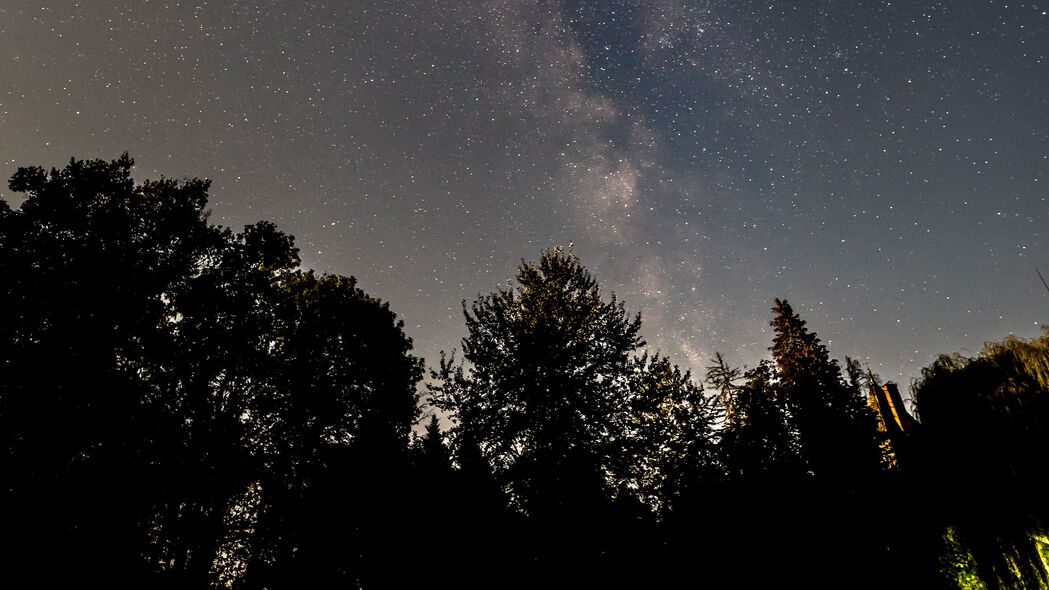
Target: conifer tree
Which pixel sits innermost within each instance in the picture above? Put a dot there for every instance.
(433, 451)
(838, 444)
(836, 429)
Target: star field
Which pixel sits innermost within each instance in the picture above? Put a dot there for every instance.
(882, 165)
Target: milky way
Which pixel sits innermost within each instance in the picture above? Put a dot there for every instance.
(881, 165)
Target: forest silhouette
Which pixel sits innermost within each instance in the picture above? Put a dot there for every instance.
(184, 406)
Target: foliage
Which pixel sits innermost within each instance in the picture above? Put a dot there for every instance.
(670, 441)
(758, 443)
(546, 388)
(985, 427)
(183, 406)
(181, 391)
(836, 430)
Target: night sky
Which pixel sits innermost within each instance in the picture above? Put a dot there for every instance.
(881, 165)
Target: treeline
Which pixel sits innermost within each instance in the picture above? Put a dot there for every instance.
(182, 406)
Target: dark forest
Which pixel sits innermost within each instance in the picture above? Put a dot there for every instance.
(183, 405)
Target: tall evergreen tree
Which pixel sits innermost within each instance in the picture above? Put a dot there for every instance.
(836, 429)
(432, 449)
(838, 443)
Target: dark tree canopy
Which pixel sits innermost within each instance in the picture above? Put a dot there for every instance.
(758, 442)
(547, 383)
(670, 443)
(179, 387)
(985, 435)
(836, 430)
(89, 260)
(183, 406)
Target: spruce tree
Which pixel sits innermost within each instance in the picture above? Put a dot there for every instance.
(433, 451)
(836, 430)
(838, 443)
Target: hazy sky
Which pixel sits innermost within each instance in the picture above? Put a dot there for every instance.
(882, 165)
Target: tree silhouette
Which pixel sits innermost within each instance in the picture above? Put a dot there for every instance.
(758, 443)
(984, 439)
(432, 450)
(548, 381)
(545, 395)
(187, 407)
(836, 430)
(88, 260)
(219, 379)
(183, 406)
(334, 434)
(671, 444)
(838, 443)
